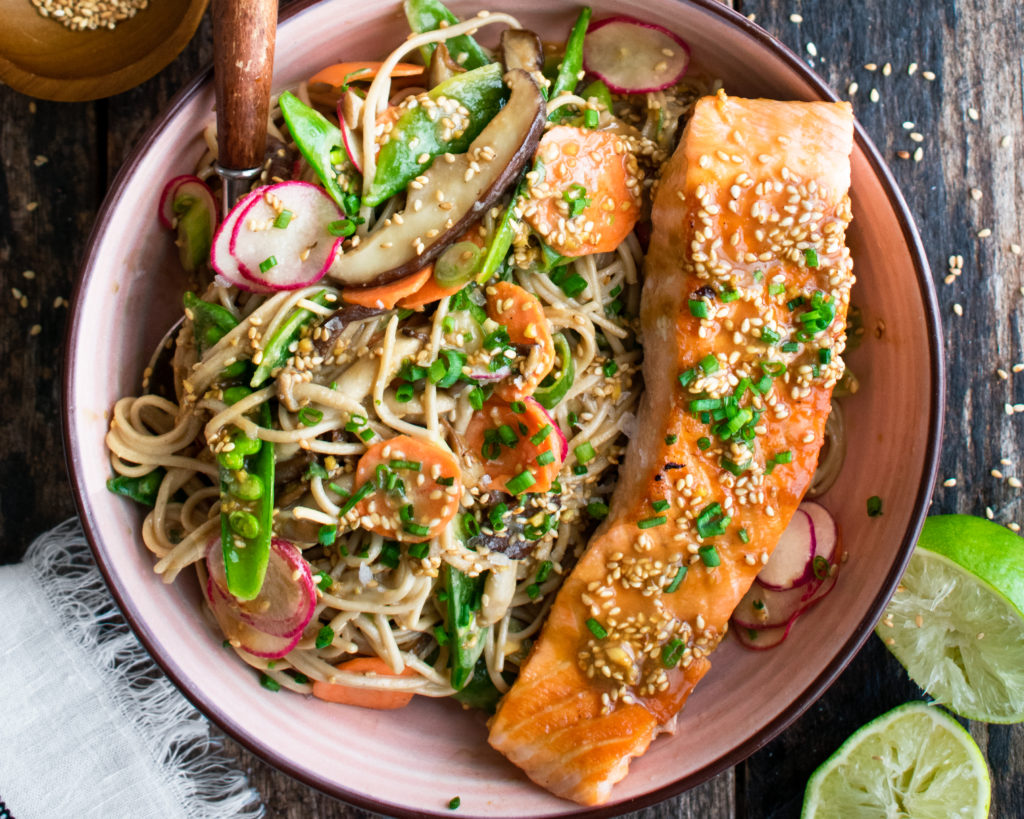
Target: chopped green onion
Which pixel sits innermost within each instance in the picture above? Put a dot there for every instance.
(419, 550)
(361, 493)
(705, 404)
(685, 378)
(660, 505)
(507, 435)
(609, 369)
(269, 683)
(699, 308)
(776, 289)
(546, 457)
(709, 554)
(596, 629)
(671, 439)
(597, 510)
(454, 802)
(784, 457)
(308, 416)
(709, 364)
(703, 443)
(769, 336)
(811, 257)
(404, 393)
(792, 304)
(517, 407)
(265, 265)
(448, 481)
(342, 227)
(672, 652)
(773, 368)
(327, 535)
(874, 506)
(544, 571)
(476, 398)
(413, 465)
(541, 435)
(366, 434)
(825, 355)
(416, 529)
(790, 347)
(676, 581)
(648, 523)
(758, 275)
(390, 554)
(744, 535)
(497, 516)
(735, 468)
(315, 470)
(283, 219)
(440, 632)
(820, 567)
(585, 452)
(520, 483)
(591, 118)
(324, 637)
(729, 295)
(406, 513)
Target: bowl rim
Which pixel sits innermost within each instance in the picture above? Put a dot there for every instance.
(753, 743)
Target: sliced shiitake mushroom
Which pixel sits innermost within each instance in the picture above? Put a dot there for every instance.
(442, 67)
(452, 193)
(522, 48)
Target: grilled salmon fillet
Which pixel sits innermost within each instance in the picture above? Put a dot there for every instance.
(747, 284)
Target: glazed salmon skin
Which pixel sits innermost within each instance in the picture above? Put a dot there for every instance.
(747, 284)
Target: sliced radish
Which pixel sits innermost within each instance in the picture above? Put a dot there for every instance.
(287, 599)
(790, 563)
(349, 136)
(167, 215)
(485, 376)
(763, 608)
(301, 252)
(562, 442)
(633, 57)
(761, 639)
(350, 108)
(221, 258)
(179, 194)
(826, 533)
(248, 637)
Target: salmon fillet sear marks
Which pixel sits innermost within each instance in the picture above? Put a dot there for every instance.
(747, 284)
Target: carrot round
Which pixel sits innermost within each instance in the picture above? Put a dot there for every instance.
(431, 290)
(523, 316)
(365, 697)
(417, 487)
(505, 459)
(387, 296)
(341, 73)
(590, 193)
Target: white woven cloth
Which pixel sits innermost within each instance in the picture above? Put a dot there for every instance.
(89, 726)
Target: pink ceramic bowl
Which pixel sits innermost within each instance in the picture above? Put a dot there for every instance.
(416, 759)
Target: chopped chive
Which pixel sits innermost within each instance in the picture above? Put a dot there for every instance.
(729, 295)
(776, 289)
(447, 481)
(327, 535)
(744, 535)
(874, 506)
(404, 393)
(308, 416)
(517, 407)
(648, 523)
(703, 443)
(735, 468)
(269, 683)
(541, 435)
(497, 516)
(316, 470)
(283, 219)
(520, 483)
(597, 510)
(507, 435)
(265, 265)
(709, 364)
(699, 308)
(324, 637)
(596, 629)
(792, 304)
(820, 567)
(825, 355)
(784, 457)
(758, 275)
(476, 398)
(366, 434)
(454, 802)
(672, 652)
(811, 257)
(585, 452)
(415, 466)
(419, 550)
(417, 529)
(337, 490)
(441, 633)
(361, 493)
(790, 347)
(709, 554)
(546, 457)
(769, 336)
(676, 581)
(685, 378)
(591, 118)
(341, 227)
(671, 439)
(660, 505)
(533, 591)
(609, 369)
(324, 581)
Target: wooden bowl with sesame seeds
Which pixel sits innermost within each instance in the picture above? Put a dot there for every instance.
(412, 761)
(83, 58)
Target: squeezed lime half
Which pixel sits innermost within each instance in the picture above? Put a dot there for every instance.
(915, 761)
(956, 622)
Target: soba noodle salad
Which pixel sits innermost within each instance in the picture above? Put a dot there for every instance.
(409, 366)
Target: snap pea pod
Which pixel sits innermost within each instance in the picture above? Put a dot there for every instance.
(319, 140)
(553, 388)
(247, 510)
(572, 63)
(501, 241)
(275, 351)
(142, 489)
(421, 133)
(210, 323)
(465, 638)
(195, 232)
(600, 92)
(428, 15)
(480, 692)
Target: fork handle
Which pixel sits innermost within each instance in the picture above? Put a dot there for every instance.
(244, 32)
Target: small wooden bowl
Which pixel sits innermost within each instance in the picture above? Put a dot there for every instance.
(42, 58)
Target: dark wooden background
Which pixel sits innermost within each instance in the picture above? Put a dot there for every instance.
(964, 101)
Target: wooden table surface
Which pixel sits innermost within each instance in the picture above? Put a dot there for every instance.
(938, 87)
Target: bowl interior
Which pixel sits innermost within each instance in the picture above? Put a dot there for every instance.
(418, 758)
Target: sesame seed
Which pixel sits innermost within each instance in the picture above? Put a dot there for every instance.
(812, 49)
(887, 69)
(973, 113)
(976, 194)
(874, 96)
(928, 75)
(912, 69)
(918, 154)
(1005, 141)
(984, 233)
(851, 89)
(958, 309)
(795, 18)
(871, 66)
(949, 482)
(35, 330)
(1014, 482)
(989, 513)
(995, 473)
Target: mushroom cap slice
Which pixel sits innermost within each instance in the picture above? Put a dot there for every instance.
(455, 192)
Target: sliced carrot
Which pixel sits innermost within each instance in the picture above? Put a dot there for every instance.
(341, 73)
(596, 168)
(522, 314)
(420, 507)
(431, 291)
(387, 295)
(487, 442)
(365, 697)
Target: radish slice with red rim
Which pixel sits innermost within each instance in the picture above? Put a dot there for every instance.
(287, 599)
(239, 632)
(353, 141)
(791, 563)
(761, 639)
(224, 263)
(826, 533)
(167, 216)
(633, 57)
(764, 608)
(283, 240)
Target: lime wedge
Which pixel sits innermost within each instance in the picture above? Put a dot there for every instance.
(914, 761)
(956, 623)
